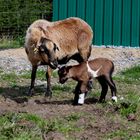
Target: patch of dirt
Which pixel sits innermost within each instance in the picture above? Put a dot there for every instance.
(96, 124)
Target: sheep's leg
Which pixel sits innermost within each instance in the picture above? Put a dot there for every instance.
(48, 77)
(104, 90)
(33, 76)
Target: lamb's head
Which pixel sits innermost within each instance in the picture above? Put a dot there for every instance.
(64, 74)
(47, 50)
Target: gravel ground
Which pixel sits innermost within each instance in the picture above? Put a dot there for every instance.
(16, 59)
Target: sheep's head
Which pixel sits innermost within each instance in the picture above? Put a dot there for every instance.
(47, 50)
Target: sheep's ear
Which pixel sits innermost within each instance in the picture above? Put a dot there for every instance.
(68, 68)
(59, 67)
(43, 39)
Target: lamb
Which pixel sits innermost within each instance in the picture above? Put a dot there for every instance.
(53, 43)
(99, 68)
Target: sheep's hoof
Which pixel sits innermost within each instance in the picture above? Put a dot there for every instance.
(31, 92)
(102, 100)
(114, 98)
(48, 93)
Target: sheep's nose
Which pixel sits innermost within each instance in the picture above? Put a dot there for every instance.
(54, 64)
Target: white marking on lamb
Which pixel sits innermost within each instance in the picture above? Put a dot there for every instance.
(114, 98)
(81, 98)
(92, 72)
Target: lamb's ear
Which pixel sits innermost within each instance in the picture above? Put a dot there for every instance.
(59, 67)
(68, 68)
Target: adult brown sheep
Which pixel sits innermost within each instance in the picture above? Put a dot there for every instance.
(53, 43)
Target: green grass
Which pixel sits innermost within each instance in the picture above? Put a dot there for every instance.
(130, 76)
(133, 73)
(41, 74)
(22, 126)
(19, 127)
(125, 134)
(8, 43)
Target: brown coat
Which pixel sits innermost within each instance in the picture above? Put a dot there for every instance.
(103, 68)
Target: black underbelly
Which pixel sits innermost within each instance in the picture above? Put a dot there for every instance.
(76, 57)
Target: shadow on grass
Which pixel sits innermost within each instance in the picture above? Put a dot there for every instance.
(19, 94)
(62, 102)
(54, 102)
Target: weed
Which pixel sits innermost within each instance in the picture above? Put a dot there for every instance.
(73, 117)
(128, 108)
(129, 76)
(62, 125)
(15, 126)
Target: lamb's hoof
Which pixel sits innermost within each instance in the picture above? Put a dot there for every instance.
(114, 98)
(76, 104)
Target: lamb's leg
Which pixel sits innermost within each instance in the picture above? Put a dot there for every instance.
(77, 88)
(48, 77)
(76, 91)
(112, 87)
(76, 97)
(104, 90)
(33, 76)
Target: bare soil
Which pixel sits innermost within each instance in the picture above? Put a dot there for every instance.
(96, 122)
